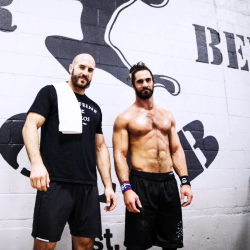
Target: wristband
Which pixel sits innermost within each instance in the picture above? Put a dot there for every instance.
(126, 186)
(185, 181)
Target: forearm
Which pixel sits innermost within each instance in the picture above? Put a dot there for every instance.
(103, 165)
(121, 167)
(31, 141)
(179, 162)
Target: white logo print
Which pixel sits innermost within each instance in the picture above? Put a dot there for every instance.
(184, 180)
(85, 119)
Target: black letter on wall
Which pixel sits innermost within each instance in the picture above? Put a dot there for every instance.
(194, 166)
(108, 236)
(201, 43)
(245, 67)
(215, 37)
(209, 145)
(98, 243)
(233, 62)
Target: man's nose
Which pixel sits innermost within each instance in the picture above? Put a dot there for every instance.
(85, 72)
(145, 83)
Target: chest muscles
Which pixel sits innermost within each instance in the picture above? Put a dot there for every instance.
(148, 122)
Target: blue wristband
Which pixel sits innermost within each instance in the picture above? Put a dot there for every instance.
(126, 186)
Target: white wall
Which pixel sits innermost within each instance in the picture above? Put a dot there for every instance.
(165, 39)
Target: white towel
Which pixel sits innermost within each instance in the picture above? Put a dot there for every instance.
(69, 112)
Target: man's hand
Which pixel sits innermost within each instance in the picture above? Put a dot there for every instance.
(111, 199)
(130, 199)
(39, 177)
(186, 191)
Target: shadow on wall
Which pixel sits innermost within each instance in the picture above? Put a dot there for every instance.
(242, 239)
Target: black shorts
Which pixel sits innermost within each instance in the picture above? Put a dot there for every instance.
(159, 222)
(64, 202)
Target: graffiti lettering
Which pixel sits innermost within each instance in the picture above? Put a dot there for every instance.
(217, 55)
(209, 146)
(108, 237)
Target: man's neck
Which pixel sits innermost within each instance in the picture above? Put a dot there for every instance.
(147, 104)
(76, 89)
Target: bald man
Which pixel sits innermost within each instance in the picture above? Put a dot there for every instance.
(64, 169)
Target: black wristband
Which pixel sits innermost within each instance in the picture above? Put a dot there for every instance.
(185, 181)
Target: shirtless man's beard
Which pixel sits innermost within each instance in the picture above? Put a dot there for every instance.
(143, 94)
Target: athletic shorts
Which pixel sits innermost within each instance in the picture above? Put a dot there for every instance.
(159, 222)
(64, 202)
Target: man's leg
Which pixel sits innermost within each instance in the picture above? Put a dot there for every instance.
(42, 245)
(82, 243)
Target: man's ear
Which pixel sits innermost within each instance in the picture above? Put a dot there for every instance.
(70, 68)
(132, 85)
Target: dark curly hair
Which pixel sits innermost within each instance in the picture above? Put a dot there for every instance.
(135, 68)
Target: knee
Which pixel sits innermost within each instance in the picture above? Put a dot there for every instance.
(39, 245)
(83, 243)
(87, 243)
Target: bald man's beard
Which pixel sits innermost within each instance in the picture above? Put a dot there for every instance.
(144, 95)
(75, 79)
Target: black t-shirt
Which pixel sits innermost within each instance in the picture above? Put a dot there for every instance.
(68, 157)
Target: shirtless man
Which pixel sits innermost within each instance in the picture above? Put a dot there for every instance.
(153, 214)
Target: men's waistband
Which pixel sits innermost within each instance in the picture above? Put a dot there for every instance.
(153, 176)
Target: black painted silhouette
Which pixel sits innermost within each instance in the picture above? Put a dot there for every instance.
(6, 17)
(11, 140)
(209, 147)
(94, 20)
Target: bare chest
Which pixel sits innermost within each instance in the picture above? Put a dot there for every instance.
(147, 122)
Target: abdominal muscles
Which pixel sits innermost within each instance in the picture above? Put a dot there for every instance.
(150, 152)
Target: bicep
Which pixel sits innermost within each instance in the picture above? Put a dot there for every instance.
(35, 120)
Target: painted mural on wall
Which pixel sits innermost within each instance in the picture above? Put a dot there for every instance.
(110, 59)
(6, 17)
(97, 21)
(202, 47)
